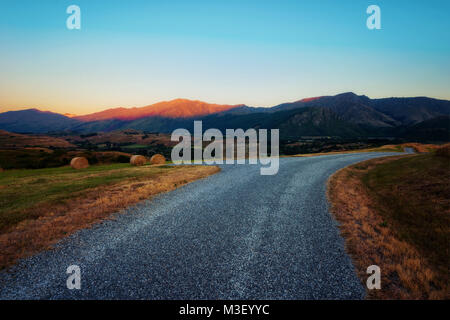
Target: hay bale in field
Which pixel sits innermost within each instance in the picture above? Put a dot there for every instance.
(138, 160)
(158, 159)
(1, 169)
(79, 163)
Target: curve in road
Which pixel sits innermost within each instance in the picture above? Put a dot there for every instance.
(234, 235)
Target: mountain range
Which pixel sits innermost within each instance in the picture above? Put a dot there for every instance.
(178, 108)
(344, 115)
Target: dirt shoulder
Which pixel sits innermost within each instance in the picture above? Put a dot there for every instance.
(51, 204)
(394, 213)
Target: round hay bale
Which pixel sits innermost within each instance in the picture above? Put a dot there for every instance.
(79, 163)
(1, 169)
(158, 159)
(138, 160)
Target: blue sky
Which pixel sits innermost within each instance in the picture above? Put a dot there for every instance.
(261, 53)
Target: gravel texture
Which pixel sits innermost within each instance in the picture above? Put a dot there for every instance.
(233, 235)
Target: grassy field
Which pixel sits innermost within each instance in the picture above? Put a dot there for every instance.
(395, 213)
(40, 206)
(135, 146)
(21, 190)
(414, 198)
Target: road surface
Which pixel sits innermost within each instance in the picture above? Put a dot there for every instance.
(234, 235)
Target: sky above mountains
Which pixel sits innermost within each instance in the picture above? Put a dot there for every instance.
(258, 53)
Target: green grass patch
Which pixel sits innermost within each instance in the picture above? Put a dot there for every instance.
(135, 146)
(413, 196)
(396, 148)
(29, 188)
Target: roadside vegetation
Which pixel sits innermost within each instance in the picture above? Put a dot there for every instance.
(38, 207)
(387, 148)
(417, 147)
(395, 213)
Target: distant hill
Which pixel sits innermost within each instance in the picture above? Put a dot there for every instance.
(35, 121)
(179, 108)
(435, 129)
(345, 115)
(410, 111)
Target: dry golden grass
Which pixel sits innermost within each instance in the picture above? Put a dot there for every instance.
(58, 220)
(418, 147)
(386, 148)
(408, 270)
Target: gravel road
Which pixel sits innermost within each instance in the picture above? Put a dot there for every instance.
(234, 235)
